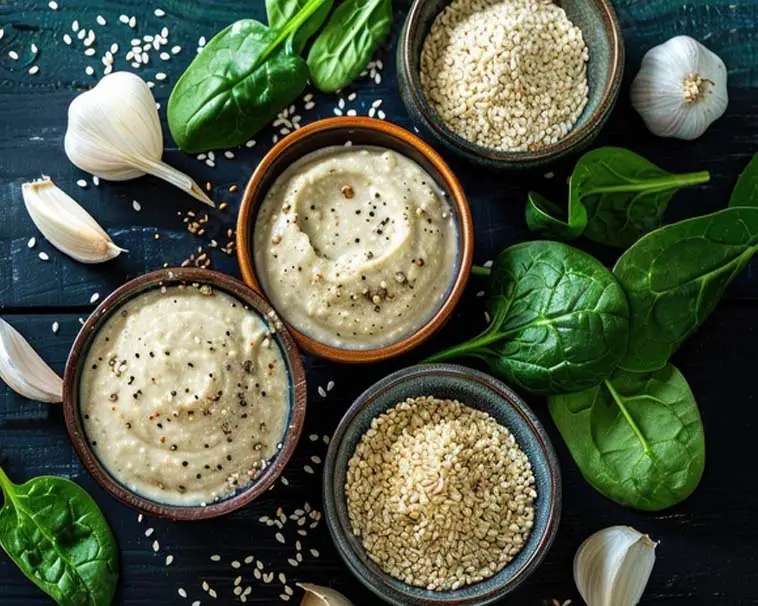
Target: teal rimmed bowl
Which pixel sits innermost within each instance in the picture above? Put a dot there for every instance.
(480, 391)
(602, 34)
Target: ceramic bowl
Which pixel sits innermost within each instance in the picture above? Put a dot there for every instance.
(602, 34)
(479, 391)
(359, 131)
(78, 355)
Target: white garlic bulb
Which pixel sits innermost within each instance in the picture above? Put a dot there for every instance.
(612, 567)
(680, 89)
(114, 132)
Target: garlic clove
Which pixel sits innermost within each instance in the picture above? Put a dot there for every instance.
(613, 566)
(681, 89)
(114, 132)
(24, 370)
(315, 595)
(66, 225)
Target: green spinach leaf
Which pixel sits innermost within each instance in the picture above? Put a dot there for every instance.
(279, 12)
(237, 84)
(615, 197)
(637, 438)
(560, 321)
(675, 276)
(544, 217)
(746, 191)
(58, 537)
(346, 44)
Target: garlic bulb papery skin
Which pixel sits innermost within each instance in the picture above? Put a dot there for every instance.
(114, 132)
(66, 225)
(680, 89)
(612, 567)
(315, 595)
(24, 371)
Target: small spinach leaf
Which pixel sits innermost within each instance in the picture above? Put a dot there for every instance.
(636, 438)
(746, 191)
(346, 44)
(560, 321)
(243, 77)
(675, 276)
(58, 537)
(544, 217)
(279, 12)
(615, 197)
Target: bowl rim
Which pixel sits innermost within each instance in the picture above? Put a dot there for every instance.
(575, 138)
(72, 413)
(339, 532)
(248, 215)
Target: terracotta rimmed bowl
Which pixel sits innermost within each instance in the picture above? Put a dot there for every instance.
(359, 131)
(480, 391)
(602, 34)
(78, 355)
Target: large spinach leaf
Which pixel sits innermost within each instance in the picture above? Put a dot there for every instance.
(675, 276)
(560, 321)
(346, 44)
(279, 12)
(237, 84)
(57, 536)
(745, 193)
(615, 197)
(637, 438)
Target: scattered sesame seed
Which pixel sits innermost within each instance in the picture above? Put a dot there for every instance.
(34, 48)
(160, 76)
(169, 560)
(165, 56)
(182, 592)
(308, 469)
(90, 52)
(381, 115)
(133, 22)
(114, 48)
(136, 205)
(67, 39)
(44, 256)
(337, 111)
(94, 298)
(250, 143)
(330, 386)
(292, 562)
(89, 70)
(13, 55)
(101, 20)
(175, 50)
(236, 564)
(316, 459)
(229, 154)
(56, 327)
(32, 242)
(215, 558)
(123, 18)
(82, 183)
(321, 391)
(140, 517)
(279, 537)
(53, 5)
(156, 545)
(310, 105)
(159, 12)
(96, 180)
(315, 553)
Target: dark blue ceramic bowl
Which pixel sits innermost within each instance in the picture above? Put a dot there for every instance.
(479, 391)
(602, 34)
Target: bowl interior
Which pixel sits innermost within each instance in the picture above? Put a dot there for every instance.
(73, 374)
(479, 391)
(360, 132)
(601, 33)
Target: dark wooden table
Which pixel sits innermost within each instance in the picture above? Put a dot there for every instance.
(707, 554)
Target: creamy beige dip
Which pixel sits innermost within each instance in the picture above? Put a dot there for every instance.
(185, 395)
(355, 247)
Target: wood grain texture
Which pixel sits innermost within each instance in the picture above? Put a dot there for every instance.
(707, 554)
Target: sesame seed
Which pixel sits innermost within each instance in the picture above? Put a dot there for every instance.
(53, 5)
(123, 18)
(136, 205)
(133, 22)
(330, 386)
(101, 20)
(13, 55)
(32, 242)
(82, 183)
(169, 560)
(67, 39)
(236, 564)
(308, 469)
(315, 553)
(94, 297)
(165, 56)
(114, 48)
(89, 70)
(215, 558)
(182, 592)
(90, 52)
(229, 154)
(159, 12)
(56, 327)
(96, 180)
(34, 48)
(44, 256)
(175, 50)
(321, 391)
(160, 76)
(156, 545)
(279, 537)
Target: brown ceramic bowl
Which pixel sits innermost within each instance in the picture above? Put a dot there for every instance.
(360, 131)
(156, 279)
(602, 34)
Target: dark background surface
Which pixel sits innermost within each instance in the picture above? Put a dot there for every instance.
(708, 545)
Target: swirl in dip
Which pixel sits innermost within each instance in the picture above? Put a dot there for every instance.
(355, 247)
(185, 395)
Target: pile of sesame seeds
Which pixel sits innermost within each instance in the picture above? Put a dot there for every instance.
(506, 74)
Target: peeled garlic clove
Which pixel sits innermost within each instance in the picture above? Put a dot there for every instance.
(24, 371)
(315, 595)
(680, 89)
(114, 132)
(66, 225)
(612, 567)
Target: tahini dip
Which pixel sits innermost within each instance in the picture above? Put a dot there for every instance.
(355, 247)
(185, 394)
